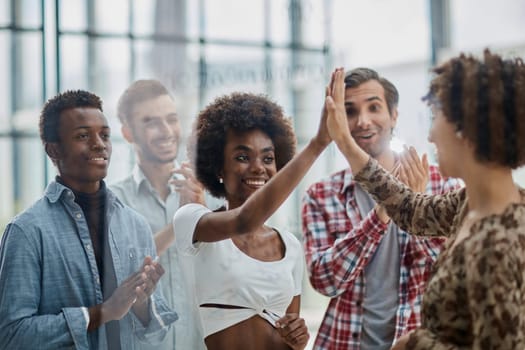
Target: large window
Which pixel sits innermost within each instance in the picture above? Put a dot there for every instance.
(198, 49)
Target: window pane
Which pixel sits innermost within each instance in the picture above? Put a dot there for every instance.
(175, 65)
(473, 24)
(231, 69)
(235, 19)
(110, 71)
(193, 14)
(307, 84)
(5, 12)
(279, 79)
(111, 16)
(143, 17)
(399, 34)
(28, 76)
(165, 61)
(110, 74)
(28, 179)
(73, 15)
(279, 21)
(73, 63)
(5, 89)
(28, 13)
(169, 18)
(6, 185)
(311, 15)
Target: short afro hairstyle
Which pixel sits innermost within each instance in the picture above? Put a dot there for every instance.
(485, 100)
(238, 112)
(50, 115)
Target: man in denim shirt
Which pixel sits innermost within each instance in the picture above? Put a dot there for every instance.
(76, 268)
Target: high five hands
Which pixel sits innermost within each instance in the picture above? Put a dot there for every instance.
(337, 122)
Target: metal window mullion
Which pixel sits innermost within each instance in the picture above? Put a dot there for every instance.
(91, 47)
(132, 42)
(202, 53)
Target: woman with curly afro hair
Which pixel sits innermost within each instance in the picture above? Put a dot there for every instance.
(476, 296)
(247, 275)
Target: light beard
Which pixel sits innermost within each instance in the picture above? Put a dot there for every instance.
(151, 157)
(377, 150)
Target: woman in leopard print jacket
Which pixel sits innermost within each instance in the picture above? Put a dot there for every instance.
(476, 296)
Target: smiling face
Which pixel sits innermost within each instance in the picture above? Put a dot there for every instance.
(249, 162)
(154, 130)
(84, 149)
(369, 120)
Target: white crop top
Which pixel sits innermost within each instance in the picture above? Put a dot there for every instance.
(223, 274)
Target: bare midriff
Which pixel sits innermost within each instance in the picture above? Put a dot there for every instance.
(254, 333)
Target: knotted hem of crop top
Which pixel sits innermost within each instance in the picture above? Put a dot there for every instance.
(215, 319)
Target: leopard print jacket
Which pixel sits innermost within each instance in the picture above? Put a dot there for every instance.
(475, 298)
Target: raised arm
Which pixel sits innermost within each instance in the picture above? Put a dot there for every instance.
(216, 226)
(414, 212)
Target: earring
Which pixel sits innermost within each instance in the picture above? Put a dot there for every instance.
(220, 180)
(459, 134)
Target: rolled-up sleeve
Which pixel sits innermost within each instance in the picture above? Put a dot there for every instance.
(161, 318)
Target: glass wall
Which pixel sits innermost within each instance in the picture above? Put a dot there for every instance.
(205, 48)
(198, 49)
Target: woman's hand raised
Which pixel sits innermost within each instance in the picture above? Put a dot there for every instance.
(337, 123)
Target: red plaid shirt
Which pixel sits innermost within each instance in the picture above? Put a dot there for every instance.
(339, 242)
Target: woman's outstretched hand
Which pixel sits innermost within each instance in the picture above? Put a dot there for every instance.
(323, 136)
(337, 123)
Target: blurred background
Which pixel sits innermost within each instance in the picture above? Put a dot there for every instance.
(201, 49)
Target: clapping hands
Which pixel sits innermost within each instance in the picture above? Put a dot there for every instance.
(412, 170)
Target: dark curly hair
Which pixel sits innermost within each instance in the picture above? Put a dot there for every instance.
(49, 122)
(485, 100)
(239, 112)
(358, 76)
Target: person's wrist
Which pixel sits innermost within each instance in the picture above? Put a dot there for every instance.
(382, 215)
(319, 144)
(105, 313)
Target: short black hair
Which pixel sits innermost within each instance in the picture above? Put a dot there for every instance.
(50, 115)
(239, 112)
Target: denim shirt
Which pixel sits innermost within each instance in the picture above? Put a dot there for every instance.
(49, 276)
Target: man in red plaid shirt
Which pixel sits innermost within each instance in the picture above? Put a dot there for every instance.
(374, 272)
